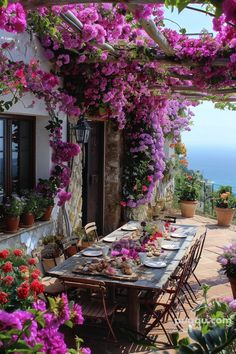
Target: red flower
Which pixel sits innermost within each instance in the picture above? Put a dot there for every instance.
(3, 297)
(4, 254)
(123, 203)
(17, 252)
(7, 267)
(35, 274)
(32, 261)
(23, 291)
(23, 268)
(8, 280)
(144, 188)
(37, 287)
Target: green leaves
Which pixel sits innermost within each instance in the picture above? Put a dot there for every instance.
(3, 3)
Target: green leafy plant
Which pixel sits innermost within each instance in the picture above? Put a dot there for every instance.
(216, 332)
(30, 202)
(13, 207)
(188, 186)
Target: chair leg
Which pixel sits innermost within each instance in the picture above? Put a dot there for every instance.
(196, 278)
(188, 286)
(182, 305)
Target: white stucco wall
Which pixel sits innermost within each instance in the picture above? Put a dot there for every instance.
(27, 48)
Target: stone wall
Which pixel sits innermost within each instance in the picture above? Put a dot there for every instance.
(113, 177)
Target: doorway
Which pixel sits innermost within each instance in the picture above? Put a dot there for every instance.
(93, 177)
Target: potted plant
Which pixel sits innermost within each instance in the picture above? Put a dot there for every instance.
(13, 208)
(188, 192)
(30, 207)
(20, 282)
(47, 188)
(225, 204)
(52, 253)
(227, 261)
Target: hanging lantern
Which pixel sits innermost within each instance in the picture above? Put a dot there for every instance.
(81, 131)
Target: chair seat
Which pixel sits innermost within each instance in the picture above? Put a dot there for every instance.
(95, 309)
(53, 286)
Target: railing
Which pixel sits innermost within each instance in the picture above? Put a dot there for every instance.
(205, 205)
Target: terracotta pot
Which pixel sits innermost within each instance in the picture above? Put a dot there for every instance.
(84, 244)
(49, 263)
(188, 208)
(233, 286)
(47, 214)
(27, 219)
(224, 216)
(12, 223)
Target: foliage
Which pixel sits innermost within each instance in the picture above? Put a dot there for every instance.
(37, 330)
(14, 206)
(47, 188)
(216, 332)
(188, 185)
(20, 281)
(30, 201)
(228, 260)
(223, 198)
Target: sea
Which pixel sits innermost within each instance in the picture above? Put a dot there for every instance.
(216, 163)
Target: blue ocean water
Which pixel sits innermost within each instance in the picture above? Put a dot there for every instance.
(216, 163)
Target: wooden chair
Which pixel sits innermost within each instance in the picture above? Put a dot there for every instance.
(91, 228)
(161, 309)
(94, 302)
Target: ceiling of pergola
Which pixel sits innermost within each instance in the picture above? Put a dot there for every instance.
(166, 57)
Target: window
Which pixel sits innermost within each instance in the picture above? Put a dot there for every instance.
(17, 153)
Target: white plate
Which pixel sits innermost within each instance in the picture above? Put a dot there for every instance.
(109, 238)
(170, 247)
(177, 235)
(91, 252)
(129, 228)
(154, 264)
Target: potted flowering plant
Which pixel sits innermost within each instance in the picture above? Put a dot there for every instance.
(20, 281)
(12, 209)
(225, 204)
(29, 209)
(47, 188)
(188, 191)
(227, 261)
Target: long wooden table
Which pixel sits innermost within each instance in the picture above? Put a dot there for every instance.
(148, 278)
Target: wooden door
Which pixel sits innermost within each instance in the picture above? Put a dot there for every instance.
(93, 177)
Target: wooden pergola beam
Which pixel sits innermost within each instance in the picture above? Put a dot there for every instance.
(31, 4)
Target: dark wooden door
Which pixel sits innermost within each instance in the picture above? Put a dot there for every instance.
(93, 177)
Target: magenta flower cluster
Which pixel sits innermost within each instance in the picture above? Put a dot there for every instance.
(41, 326)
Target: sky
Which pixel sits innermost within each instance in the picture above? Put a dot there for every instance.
(211, 127)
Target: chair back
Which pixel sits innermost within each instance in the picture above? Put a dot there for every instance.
(91, 228)
(82, 283)
(200, 244)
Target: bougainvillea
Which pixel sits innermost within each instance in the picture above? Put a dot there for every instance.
(37, 329)
(123, 81)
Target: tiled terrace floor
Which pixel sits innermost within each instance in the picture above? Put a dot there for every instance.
(207, 272)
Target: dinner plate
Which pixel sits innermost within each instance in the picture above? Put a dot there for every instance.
(129, 228)
(170, 247)
(109, 238)
(178, 235)
(155, 264)
(92, 252)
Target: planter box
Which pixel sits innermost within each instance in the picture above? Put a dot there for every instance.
(49, 263)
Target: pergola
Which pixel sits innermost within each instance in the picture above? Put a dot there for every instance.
(165, 54)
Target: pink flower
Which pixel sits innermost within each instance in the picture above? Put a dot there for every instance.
(135, 187)
(149, 178)
(63, 197)
(122, 203)
(144, 188)
(229, 9)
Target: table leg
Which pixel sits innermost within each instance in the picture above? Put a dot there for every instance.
(133, 309)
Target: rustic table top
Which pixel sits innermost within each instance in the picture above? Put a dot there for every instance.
(148, 278)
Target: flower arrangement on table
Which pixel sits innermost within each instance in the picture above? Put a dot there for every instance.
(37, 330)
(223, 198)
(20, 281)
